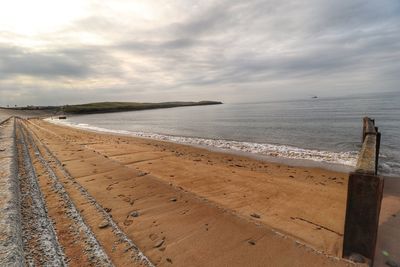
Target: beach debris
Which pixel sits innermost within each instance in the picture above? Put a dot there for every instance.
(134, 214)
(104, 224)
(391, 263)
(255, 215)
(159, 243)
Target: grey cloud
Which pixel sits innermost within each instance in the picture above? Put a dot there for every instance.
(359, 14)
(232, 44)
(15, 61)
(334, 38)
(75, 63)
(348, 36)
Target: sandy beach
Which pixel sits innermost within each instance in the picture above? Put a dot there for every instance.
(128, 201)
(183, 205)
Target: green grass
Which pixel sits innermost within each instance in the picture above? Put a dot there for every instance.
(103, 107)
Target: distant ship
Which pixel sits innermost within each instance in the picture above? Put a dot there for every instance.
(314, 96)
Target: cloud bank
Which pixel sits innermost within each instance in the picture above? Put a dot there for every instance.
(176, 50)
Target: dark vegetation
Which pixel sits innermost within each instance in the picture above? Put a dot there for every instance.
(103, 107)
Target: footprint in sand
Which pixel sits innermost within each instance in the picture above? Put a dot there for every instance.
(184, 212)
(127, 199)
(109, 187)
(128, 222)
(153, 237)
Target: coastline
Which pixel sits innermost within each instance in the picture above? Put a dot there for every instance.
(246, 200)
(328, 160)
(299, 204)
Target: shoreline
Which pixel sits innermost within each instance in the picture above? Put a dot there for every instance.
(295, 162)
(314, 176)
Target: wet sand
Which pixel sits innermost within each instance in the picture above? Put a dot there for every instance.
(182, 205)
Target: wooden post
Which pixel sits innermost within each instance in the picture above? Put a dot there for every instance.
(364, 197)
(378, 147)
(365, 123)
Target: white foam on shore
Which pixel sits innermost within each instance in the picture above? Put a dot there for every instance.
(348, 158)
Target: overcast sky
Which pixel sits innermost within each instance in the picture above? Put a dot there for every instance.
(74, 51)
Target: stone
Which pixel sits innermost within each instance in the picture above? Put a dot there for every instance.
(134, 214)
(104, 224)
(252, 242)
(255, 215)
(173, 199)
(159, 243)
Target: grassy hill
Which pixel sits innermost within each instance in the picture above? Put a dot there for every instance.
(103, 107)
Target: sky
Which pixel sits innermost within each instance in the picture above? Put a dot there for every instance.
(76, 51)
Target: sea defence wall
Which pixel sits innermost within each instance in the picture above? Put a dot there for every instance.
(11, 251)
(364, 197)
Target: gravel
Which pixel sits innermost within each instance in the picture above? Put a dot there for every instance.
(11, 251)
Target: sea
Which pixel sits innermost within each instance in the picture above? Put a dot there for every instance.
(323, 132)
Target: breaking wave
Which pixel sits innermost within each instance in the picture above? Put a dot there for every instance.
(348, 158)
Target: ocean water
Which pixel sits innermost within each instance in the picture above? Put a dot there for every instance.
(324, 130)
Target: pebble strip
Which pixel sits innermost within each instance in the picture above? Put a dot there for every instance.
(39, 238)
(11, 251)
(93, 248)
(137, 255)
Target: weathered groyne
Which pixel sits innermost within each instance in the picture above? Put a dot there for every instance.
(364, 197)
(11, 250)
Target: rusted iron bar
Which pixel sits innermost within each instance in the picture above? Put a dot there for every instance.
(364, 197)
